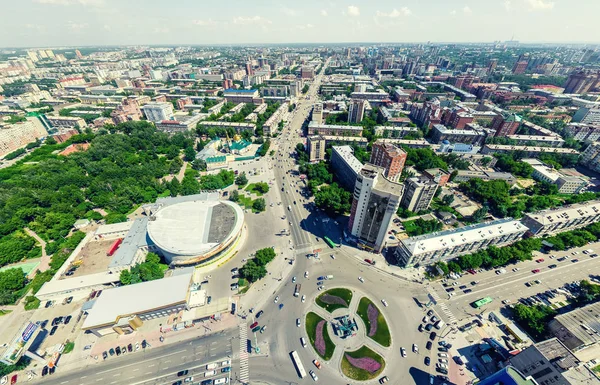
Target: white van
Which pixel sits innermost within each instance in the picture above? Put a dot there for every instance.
(303, 342)
(440, 324)
(209, 373)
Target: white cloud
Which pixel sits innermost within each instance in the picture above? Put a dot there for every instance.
(241, 20)
(92, 3)
(404, 11)
(353, 10)
(507, 5)
(76, 27)
(205, 23)
(540, 4)
(288, 11)
(453, 12)
(467, 10)
(323, 12)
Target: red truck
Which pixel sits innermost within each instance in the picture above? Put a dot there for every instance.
(114, 247)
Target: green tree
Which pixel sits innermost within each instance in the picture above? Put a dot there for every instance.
(448, 199)
(189, 154)
(333, 199)
(259, 205)
(199, 164)
(176, 165)
(234, 196)
(253, 271)
(241, 179)
(125, 277)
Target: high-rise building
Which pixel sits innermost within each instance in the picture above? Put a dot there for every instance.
(227, 84)
(506, 124)
(418, 194)
(78, 54)
(356, 111)
(374, 204)
(316, 148)
(390, 157)
(580, 82)
(492, 65)
(317, 113)
(33, 56)
(591, 157)
(587, 116)
(520, 67)
(249, 70)
(345, 165)
(508, 376)
(157, 112)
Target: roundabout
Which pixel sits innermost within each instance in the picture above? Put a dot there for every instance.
(347, 329)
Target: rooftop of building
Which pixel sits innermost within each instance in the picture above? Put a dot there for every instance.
(508, 147)
(383, 184)
(582, 323)
(334, 126)
(442, 240)
(391, 149)
(135, 239)
(138, 298)
(536, 138)
(566, 213)
(452, 131)
(347, 154)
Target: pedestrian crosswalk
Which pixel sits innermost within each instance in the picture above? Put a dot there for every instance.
(450, 318)
(244, 369)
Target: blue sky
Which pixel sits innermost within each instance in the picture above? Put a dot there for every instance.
(109, 22)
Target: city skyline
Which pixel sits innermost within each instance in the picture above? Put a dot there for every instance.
(41, 23)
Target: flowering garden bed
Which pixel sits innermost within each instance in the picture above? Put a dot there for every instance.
(316, 328)
(376, 326)
(362, 364)
(333, 299)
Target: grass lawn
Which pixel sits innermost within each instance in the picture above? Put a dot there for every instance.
(245, 201)
(5, 312)
(358, 374)
(382, 335)
(31, 303)
(344, 294)
(312, 320)
(409, 226)
(252, 189)
(596, 369)
(69, 346)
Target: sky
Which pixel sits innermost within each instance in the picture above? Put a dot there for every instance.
(52, 23)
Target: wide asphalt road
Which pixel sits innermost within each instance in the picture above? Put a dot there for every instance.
(156, 365)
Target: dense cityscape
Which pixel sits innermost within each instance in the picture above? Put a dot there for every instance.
(339, 213)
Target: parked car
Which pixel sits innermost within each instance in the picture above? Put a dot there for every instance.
(259, 314)
(67, 320)
(317, 364)
(53, 330)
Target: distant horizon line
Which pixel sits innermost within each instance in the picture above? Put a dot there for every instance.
(429, 42)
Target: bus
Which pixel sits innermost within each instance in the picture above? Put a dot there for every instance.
(298, 364)
(481, 302)
(330, 243)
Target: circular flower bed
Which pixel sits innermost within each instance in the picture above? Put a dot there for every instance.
(362, 364)
(374, 321)
(333, 299)
(316, 328)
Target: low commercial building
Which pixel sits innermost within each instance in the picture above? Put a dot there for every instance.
(561, 219)
(182, 124)
(241, 96)
(157, 112)
(578, 329)
(124, 309)
(334, 130)
(440, 133)
(65, 121)
(394, 132)
(271, 124)
(535, 140)
(345, 165)
(440, 246)
(551, 362)
(238, 127)
(466, 175)
(526, 150)
(566, 184)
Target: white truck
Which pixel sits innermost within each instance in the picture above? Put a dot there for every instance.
(297, 290)
(211, 366)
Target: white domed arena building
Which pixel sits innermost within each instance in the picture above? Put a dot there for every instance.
(193, 229)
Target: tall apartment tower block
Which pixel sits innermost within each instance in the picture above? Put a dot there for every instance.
(390, 157)
(356, 111)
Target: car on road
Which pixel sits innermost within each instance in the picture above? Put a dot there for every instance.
(293, 279)
(313, 375)
(467, 291)
(276, 299)
(441, 365)
(144, 344)
(226, 370)
(303, 298)
(255, 324)
(67, 320)
(443, 355)
(535, 271)
(361, 279)
(551, 266)
(415, 348)
(306, 274)
(182, 373)
(506, 301)
(208, 300)
(104, 355)
(317, 364)
(124, 349)
(280, 306)
(432, 335)
(420, 327)
(53, 330)
(118, 350)
(259, 314)
(442, 370)
(189, 379)
(206, 382)
(298, 322)
(539, 260)
(428, 345)
(177, 383)
(383, 380)
(574, 260)
(254, 330)
(403, 352)
(262, 330)
(13, 379)
(427, 361)
(44, 372)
